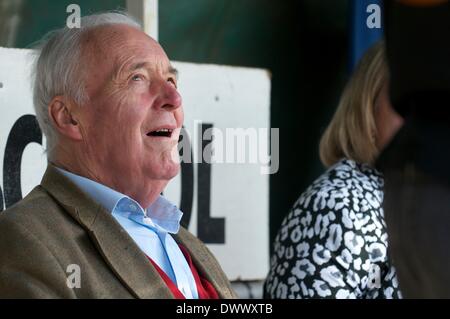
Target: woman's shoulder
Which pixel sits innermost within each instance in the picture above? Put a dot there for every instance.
(349, 169)
(343, 182)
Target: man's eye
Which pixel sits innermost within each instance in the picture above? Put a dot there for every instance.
(137, 77)
(171, 80)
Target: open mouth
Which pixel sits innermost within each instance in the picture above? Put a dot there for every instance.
(164, 132)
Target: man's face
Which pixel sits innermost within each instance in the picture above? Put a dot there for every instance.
(132, 121)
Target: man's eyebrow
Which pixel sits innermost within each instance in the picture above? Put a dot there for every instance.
(173, 71)
(140, 65)
(136, 66)
(125, 69)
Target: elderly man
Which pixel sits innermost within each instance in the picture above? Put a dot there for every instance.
(97, 227)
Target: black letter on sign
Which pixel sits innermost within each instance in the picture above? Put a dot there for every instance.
(209, 230)
(187, 182)
(25, 130)
(1, 200)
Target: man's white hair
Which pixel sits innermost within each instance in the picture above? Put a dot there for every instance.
(57, 68)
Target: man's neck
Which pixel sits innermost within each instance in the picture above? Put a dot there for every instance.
(145, 194)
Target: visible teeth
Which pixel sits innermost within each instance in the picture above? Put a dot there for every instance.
(161, 132)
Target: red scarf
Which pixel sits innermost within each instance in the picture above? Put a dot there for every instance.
(204, 288)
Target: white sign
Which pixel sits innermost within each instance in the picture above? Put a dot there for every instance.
(225, 203)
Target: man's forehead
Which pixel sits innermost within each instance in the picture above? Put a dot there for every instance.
(117, 38)
(126, 48)
(110, 32)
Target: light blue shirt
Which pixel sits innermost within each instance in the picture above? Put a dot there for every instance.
(150, 229)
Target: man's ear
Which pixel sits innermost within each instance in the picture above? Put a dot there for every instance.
(60, 113)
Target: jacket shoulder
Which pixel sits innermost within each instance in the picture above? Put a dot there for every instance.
(37, 206)
(29, 269)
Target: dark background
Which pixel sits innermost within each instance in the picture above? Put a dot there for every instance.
(304, 44)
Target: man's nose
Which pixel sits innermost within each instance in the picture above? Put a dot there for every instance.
(168, 98)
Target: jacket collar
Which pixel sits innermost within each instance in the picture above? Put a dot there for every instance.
(205, 263)
(162, 212)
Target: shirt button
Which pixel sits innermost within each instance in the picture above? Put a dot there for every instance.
(148, 221)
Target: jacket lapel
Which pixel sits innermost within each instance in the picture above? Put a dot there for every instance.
(206, 264)
(116, 247)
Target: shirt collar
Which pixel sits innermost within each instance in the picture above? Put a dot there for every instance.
(162, 212)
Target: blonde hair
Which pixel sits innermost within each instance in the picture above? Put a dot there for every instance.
(352, 131)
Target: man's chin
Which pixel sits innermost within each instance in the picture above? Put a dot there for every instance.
(168, 171)
(175, 171)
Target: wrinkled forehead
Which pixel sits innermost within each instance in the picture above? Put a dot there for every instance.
(114, 46)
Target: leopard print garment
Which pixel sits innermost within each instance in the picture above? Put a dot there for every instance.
(333, 243)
